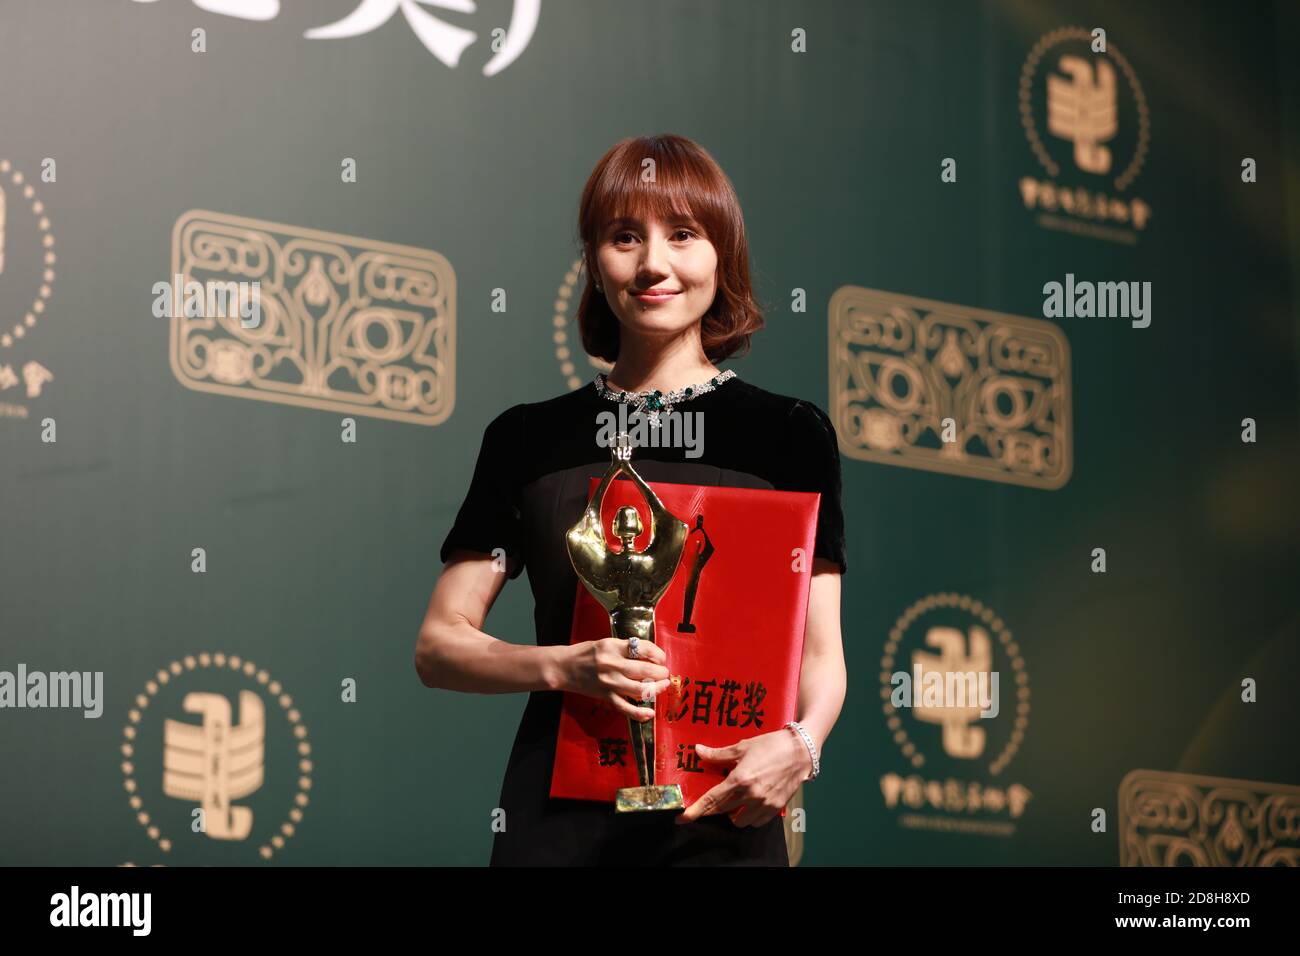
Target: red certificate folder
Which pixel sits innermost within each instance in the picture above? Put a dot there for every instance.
(734, 662)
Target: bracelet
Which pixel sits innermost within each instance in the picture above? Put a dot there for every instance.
(812, 749)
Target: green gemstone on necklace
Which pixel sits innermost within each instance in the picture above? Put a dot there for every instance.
(655, 402)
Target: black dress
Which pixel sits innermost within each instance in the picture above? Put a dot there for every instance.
(529, 486)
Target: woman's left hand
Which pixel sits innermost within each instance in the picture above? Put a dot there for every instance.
(763, 772)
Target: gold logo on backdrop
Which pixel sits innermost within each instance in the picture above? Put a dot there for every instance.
(568, 337)
(907, 373)
(217, 764)
(26, 283)
(1080, 110)
(955, 753)
(1179, 819)
(347, 324)
(216, 761)
(959, 652)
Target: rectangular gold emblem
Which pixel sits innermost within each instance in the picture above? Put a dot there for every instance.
(1181, 819)
(949, 388)
(346, 324)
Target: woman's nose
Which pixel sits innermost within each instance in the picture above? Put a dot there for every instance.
(655, 257)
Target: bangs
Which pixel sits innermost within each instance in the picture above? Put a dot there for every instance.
(683, 192)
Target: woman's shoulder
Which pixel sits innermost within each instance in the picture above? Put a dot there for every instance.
(803, 416)
(566, 404)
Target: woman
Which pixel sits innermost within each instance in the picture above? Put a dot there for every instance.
(668, 296)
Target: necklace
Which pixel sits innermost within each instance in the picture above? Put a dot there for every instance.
(653, 402)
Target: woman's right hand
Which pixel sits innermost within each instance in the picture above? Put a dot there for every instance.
(602, 669)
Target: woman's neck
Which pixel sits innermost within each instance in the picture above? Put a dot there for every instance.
(639, 372)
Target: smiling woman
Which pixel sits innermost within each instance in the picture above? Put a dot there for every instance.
(668, 295)
(661, 228)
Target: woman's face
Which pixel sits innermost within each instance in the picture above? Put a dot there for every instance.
(660, 276)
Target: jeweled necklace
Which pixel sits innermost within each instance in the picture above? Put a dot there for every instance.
(652, 402)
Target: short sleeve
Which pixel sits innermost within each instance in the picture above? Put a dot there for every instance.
(490, 518)
(813, 457)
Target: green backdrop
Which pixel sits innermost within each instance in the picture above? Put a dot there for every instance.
(321, 554)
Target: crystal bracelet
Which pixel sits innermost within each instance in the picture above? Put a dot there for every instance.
(812, 749)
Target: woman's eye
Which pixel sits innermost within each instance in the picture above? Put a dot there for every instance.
(621, 238)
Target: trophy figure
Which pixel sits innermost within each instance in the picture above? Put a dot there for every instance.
(702, 555)
(628, 583)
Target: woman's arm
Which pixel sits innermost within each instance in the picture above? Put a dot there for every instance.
(453, 652)
(822, 679)
(763, 772)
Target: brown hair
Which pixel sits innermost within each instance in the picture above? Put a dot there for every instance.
(688, 182)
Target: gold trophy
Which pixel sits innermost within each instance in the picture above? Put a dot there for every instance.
(628, 584)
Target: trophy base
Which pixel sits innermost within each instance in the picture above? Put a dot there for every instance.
(666, 796)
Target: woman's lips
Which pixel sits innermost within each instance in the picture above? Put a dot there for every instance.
(655, 296)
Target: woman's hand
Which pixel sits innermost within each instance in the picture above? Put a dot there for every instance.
(764, 772)
(602, 669)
